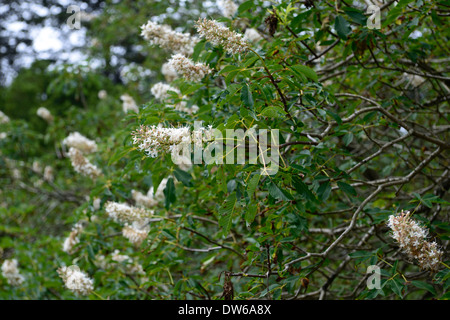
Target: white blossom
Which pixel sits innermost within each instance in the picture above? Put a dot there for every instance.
(3, 118)
(80, 142)
(415, 80)
(227, 7)
(36, 167)
(102, 94)
(73, 239)
(217, 34)
(16, 174)
(168, 72)
(159, 194)
(45, 114)
(75, 280)
(412, 239)
(122, 212)
(166, 38)
(161, 92)
(128, 103)
(82, 164)
(96, 203)
(130, 266)
(252, 35)
(152, 198)
(48, 174)
(136, 233)
(189, 69)
(142, 200)
(154, 139)
(11, 272)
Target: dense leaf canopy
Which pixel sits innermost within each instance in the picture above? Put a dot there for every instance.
(363, 123)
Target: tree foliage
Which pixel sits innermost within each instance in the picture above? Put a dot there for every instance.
(364, 130)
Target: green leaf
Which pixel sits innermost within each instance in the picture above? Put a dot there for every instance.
(119, 154)
(273, 112)
(342, 27)
(348, 138)
(250, 61)
(303, 189)
(348, 189)
(324, 191)
(250, 213)
(169, 193)
(226, 213)
(425, 286)
(197, 49)
(245, 6)
(356, 15)
(228, 68)
(253, 184)
(183, 176)
(168, 234)
(396, 287)
(307, 71)
(277, 193)
(335, 116)
(361, 255)
(395, 12)
(246, 96)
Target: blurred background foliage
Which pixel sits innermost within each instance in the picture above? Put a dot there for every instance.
(277, 217)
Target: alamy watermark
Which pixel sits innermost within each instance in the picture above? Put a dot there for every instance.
(74, 21)
(374, 280)
(373, 22)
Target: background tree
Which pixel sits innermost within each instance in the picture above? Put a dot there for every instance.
(364, 125)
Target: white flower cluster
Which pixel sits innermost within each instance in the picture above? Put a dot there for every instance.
(48, 174)
(45, 114)
(151, 199)
(228, 8)
(82, 164)
(76, 280)
(190, 70)
(161, 92)
(412, 240)
(131, 267)
(36, 167)
(136, 233)
(122, 212)
(128, 103)
(3, 117)
(252, 35)
(166, 38)
(142, 200)
(153, 140)
(96, 203)
(217, 34)
(122, 260)
(80, 142)
(413, 79)
(168, 72)
(16, 174)
(73, 239)
(102, 94)
(11, 272)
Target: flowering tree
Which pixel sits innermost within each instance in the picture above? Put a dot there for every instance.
(165, 191)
